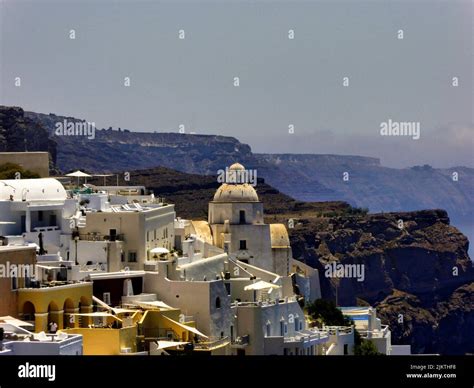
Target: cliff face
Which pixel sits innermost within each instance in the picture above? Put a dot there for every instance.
(371, 185)
(19, 133)
(420, 272)
(114, 150)
(445, 328)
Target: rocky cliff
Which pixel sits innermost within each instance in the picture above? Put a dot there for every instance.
(417, 272)
(20, 133)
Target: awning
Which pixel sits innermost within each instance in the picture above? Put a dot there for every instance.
(79, 174)
(100, 302)
(261, 285)
(15, 322)
(186, 327)
(170, 344)
(154, 303)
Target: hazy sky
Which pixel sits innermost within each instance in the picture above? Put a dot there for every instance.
(282, 81)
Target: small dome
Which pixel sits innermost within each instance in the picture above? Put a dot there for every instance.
(237, 167)
(236, 193)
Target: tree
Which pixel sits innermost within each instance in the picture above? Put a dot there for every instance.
(366, 348)
(326, 312)
(9, 171)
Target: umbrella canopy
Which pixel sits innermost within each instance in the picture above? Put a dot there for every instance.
(261, 285)
(79, 174)
(159, 250)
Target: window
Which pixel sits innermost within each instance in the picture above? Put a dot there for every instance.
(227, 287)
(106, 297)
(297, 324)
(218, 303)
(243, 244)
(132, 257)
(147, 235)
(269, 329)
(242, 216)
(52, 219)
(282, 328)
(40, 216)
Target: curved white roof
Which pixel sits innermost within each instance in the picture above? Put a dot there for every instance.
(41, 189)
(237, 167)
(235, 193)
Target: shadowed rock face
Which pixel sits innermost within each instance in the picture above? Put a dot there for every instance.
(444, 328)
(422, 271)
(19, 133)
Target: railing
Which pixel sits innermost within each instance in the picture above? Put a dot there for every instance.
(302, 337)
(337, 330)
(268, 302)
(46, 228)
(212, 343)
(382, 333)
(101, 237)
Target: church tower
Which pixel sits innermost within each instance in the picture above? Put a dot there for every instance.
(236, 220)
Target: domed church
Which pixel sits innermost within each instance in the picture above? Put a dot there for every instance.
(236, 224)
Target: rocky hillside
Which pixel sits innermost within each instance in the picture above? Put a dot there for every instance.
(20, 133)
(421, 271)
(419, 268)
(304, 177)
(374, 186)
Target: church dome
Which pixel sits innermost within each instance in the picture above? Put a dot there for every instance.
(236, 193)
(236, 167)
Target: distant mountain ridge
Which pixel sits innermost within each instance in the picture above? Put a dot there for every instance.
(306, 177)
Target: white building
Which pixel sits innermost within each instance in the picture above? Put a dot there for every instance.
(371, 328)
(34, 209)
(235, 224)
(21, 342)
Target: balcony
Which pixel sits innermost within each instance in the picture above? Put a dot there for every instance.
(101, 237)
(382, 333)
(211, 344)
(338, 330)
(307, 337)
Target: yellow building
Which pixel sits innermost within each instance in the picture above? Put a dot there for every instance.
(55, 304)
(107, 334)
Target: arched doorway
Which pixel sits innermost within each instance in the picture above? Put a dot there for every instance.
(54, 316)
(28, 312)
